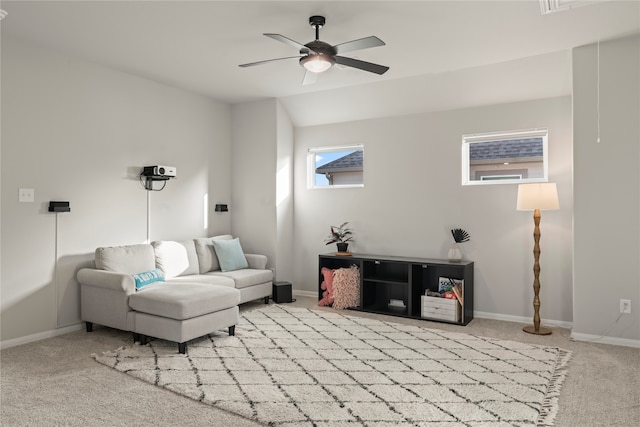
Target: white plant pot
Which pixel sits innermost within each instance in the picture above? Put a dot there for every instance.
(454, 253)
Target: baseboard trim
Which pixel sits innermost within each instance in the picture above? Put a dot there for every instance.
(520, 319)
(477, 314)
(40, 336)
(309, 294)
(598, 339)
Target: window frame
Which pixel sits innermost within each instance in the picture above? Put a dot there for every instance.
(311, 165)
(499, 177)
(469, 139)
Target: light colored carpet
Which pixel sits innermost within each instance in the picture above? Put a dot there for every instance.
(55, 381)
(293, 366)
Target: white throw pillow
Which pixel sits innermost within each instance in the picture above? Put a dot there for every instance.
(176, 258)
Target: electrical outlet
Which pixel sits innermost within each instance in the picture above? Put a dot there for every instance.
(26, 195)
(625, 306)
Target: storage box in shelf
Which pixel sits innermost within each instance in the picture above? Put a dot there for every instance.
(440, 308)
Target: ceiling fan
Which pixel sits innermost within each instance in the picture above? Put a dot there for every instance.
(318, 56)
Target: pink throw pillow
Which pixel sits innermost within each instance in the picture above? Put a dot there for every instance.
(328, 278)
(327, 286)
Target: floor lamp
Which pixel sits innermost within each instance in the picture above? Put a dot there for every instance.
(537, 197)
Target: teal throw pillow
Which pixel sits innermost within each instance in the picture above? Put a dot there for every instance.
(148, 277)
(230, 255)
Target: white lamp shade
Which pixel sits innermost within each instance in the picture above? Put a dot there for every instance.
(543, 196)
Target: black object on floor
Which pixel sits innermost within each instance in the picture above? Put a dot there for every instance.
(282, 292)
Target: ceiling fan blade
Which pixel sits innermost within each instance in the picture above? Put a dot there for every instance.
(251, 64)
(362, 65)
(286, 40)
(364, 43)
(309, 78)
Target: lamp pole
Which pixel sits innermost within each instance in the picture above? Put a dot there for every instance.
(536, 329)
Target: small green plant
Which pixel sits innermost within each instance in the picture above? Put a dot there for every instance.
(341, 234)
(459, 235)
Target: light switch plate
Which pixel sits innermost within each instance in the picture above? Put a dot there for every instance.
(26, 195)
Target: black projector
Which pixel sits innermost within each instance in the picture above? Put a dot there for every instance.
(162, 171)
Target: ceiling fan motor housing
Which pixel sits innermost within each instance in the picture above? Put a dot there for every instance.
(318, 51)
(319, 47)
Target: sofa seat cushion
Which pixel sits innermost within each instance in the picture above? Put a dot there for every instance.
(246, 277)
(182, 301)
(205, 278)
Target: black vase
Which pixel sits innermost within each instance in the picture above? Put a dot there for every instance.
(342, 247)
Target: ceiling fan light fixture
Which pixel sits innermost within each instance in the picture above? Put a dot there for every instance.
(317, 56)
(317, 63)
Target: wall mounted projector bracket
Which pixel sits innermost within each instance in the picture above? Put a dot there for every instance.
(150, 174)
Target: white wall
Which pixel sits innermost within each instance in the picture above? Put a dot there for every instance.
(80, 132)
(284, 197)
(607, 190)
(413, 196)
(262, 169)
(253, 190)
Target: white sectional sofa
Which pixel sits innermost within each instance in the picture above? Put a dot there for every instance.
(173, 290)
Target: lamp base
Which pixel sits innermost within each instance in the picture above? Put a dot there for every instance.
(530, 329)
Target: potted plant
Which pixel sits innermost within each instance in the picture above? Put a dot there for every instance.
(340, 235)
(459, 236)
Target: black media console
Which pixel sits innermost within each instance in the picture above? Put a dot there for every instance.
(398, 285)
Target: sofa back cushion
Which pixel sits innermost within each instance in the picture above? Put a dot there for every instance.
(176, 258)
(131, 259)
(207, 259)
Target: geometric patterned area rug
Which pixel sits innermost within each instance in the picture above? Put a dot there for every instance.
(290, 366)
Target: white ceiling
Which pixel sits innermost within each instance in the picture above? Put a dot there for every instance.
(441, 54)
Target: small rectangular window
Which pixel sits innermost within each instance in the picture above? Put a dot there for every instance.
(331, 167)
(505, 157)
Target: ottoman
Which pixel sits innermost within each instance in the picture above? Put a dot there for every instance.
(182, 311)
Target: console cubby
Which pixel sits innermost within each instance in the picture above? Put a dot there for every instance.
(385, 287)
(396, 285)
(333, 263)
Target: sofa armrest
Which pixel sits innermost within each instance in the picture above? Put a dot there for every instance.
(258, 262)
(104, 297)
(107, 280)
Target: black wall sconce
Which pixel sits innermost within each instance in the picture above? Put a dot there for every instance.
(59, 207)
(221, 208)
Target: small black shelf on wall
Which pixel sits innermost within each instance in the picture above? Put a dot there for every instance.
(398, 286)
